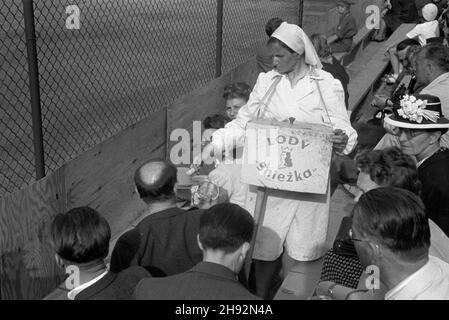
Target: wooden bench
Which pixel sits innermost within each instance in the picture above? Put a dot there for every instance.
(360, 85)
(360, 41)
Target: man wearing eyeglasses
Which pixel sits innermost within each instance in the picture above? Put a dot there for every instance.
(392, 237)
(419, 126)
(391, 231)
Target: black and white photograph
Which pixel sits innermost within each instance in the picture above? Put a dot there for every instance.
(226, 158)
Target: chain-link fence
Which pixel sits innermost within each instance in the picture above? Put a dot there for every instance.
(244, 26)
(104, 65)
(16, 138)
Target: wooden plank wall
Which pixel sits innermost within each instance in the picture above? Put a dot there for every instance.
(27, 265)
(102, 177)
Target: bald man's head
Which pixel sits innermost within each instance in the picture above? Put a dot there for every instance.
(155, 180)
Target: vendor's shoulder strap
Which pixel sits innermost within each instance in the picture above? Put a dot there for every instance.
(323, 102)
(267, 97)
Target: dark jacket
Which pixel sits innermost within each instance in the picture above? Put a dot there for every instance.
(205, 281)
(338, 72)
(345, 31)
(434, 176)
(347, 27)
(165, 240)
(402, 11)
(112, 286)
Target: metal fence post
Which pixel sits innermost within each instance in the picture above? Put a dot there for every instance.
(300, 12)
(33, 72)
(219, 39)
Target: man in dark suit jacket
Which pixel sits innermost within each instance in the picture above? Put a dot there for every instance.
(81, 240)
(115, 286)
(434, 175)
(166, 236)
(224, 237)
(421, 139)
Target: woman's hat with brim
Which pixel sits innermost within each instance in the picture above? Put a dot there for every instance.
(418, 112)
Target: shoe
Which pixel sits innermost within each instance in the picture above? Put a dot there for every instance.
(390, 78)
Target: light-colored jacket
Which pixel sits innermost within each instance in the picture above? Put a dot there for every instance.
(302, 102)
(300, 219)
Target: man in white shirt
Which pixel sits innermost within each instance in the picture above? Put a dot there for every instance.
(391, 233)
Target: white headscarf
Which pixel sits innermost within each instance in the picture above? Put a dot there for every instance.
(297, 40)
(430, 12)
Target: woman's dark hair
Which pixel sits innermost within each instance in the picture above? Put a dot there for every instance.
(273, 40)
(397, 219)
(320, 43)
(391, 167)
(406, 43)
(225, 227)
(237, 90)
(438, 54)
(81, 235)
(412, 52)
(215, 121)
(272, 25)
(435, 40)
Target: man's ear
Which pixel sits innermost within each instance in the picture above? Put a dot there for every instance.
(430, 68)
(434, 137)
(376, 250)
(199, 242)
(59, 261)
(245, 249)
(223, 195)
(175, 188)
(137, 192)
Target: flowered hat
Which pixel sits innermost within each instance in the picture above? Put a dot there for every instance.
(418, 112)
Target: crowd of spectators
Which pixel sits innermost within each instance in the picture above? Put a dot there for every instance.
(399, 223)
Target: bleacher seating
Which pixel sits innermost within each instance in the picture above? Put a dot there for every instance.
(364, 81)
(360, 41)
